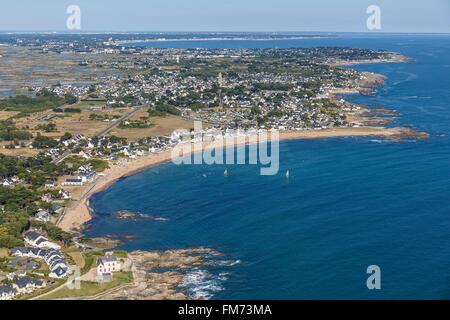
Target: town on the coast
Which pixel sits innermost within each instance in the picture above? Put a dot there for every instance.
(79, 111)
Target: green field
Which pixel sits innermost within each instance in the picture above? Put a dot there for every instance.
(87, 104)
(90, 260)
(89, 289)
(37, 293)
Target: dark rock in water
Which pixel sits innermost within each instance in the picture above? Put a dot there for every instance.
(128, 215)
(377, 112)
(373, 121)
(367, 91)
(130, 237)
(104, 243)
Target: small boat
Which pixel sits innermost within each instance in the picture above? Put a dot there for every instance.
(225, 173)
(287, 174)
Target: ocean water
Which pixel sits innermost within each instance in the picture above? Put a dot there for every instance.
(349, 202)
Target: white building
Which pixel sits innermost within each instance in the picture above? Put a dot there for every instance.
(43, 216)
(73, 182)
(37, 240)
(59, 268)
(27, 284)
(107, 265)
(50, 184)
(7, 293)
(65, 194)
(7, 182)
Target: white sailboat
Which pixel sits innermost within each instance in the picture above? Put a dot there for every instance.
(287, 174)
(225, 173)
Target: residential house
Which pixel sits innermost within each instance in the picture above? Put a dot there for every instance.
(7, 293)
(43, 216)
(27, 284)
(46, 197)
(90, 145)
(57, 208)
(16, 274)
(126, 152)
(25, 252)
(97, 108)
(50, 183)
(64, 194)
(73, 182)
(86, 173)
(59, 272)
(84, 155)
(37, 240)
(59, 268)
(106, 266)
(7, 182)
(21, 262)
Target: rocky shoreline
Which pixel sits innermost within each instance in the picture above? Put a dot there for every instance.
(158, 274)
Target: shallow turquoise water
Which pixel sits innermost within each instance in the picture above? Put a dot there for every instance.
(349, 203)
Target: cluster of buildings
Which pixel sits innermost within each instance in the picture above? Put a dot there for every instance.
(23, 285)
(85, 174)
(10, 181)
(59, 268)
(25, 280)
(284, 100)
(109, 149)
(281, 84)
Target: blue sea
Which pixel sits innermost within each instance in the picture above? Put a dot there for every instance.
(349, 202)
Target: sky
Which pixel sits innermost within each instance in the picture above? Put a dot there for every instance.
(416, 16)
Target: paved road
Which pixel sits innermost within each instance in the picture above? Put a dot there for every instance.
(117, 122)
(62, 157)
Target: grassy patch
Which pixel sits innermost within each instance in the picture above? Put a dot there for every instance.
(121, 254)
(43, 268)
(27, 104)
(89, 289)
(89, 261)
(4, 253)
(77, 258)
(87, 104)
(43, 291)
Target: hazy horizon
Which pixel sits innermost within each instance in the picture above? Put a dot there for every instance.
(212, 32)
(402, 16)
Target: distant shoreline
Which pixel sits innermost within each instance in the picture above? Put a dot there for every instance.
(305, 37)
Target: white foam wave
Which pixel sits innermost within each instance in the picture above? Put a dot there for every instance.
(160, 219)
(225, 263)
(202, 284)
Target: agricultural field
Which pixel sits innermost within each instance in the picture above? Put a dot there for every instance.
(90, 289)
(159, 126)
(82, 122)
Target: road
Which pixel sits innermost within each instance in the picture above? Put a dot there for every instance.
(101, 133)
(117, 122)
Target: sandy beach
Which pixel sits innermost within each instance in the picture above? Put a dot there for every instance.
(79, 212)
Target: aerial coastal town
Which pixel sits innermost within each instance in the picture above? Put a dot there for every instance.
(74, 108)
